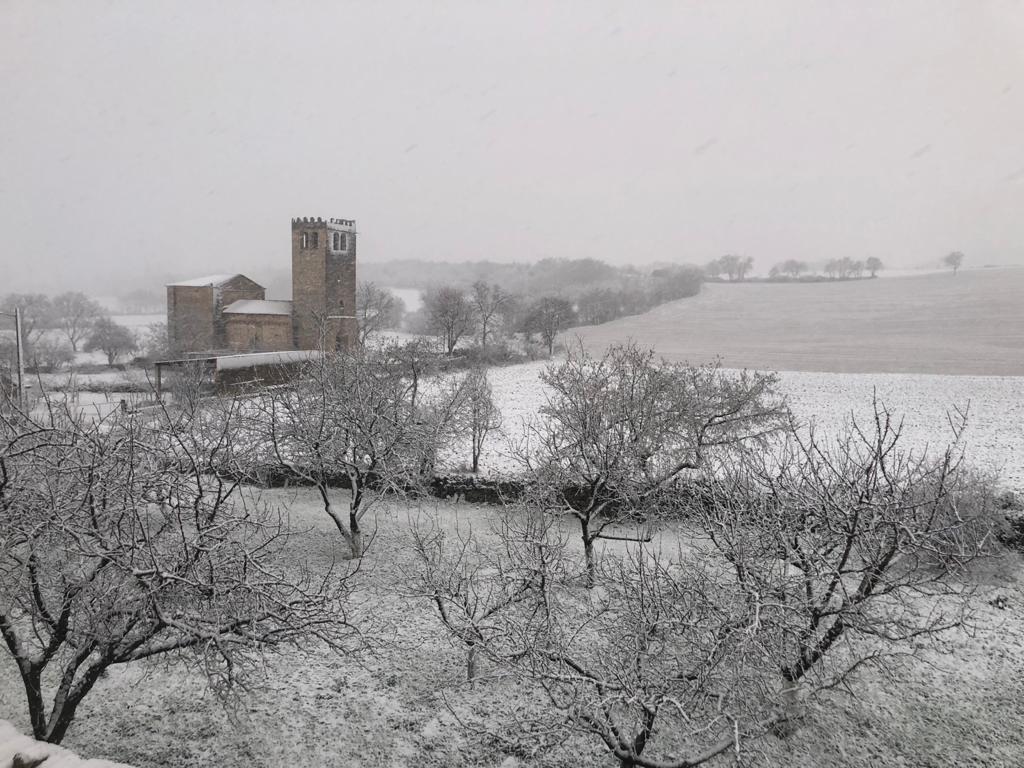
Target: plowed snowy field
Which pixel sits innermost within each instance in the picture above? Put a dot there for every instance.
(994, 438)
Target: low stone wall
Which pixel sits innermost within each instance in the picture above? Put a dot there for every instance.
(20, 751)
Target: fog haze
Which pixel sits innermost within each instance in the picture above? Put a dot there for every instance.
(150, 141)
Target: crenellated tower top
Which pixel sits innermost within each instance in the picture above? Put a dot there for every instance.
(311, 222)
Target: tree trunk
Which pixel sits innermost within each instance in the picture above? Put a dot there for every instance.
(471, 663)
(588, 557)
(355, 540)
(59, 726)
(36, 709)
(791, 709)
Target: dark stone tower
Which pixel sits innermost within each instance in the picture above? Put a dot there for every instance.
(324, 283)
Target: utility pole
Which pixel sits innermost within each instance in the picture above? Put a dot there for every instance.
(21, 358)
(22, 402)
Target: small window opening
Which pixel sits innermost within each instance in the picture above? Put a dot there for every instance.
(314, 239)
(305, 240)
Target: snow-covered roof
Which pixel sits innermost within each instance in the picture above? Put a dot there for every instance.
(259, 307)
(228, 362)
(199, 282)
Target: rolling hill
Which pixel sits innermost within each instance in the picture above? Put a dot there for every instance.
(969, 323)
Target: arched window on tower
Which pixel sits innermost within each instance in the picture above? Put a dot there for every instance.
(305, 240)
(343, 240)
(337, 240)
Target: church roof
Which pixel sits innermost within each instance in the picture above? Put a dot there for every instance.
(199, 282)
(258, 307)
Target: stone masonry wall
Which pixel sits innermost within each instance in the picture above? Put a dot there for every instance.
(190, 318)
(258, 333)
(239, 287)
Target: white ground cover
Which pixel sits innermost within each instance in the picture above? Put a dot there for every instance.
(994, 439)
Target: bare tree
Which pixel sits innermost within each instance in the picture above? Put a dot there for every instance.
(953, 260)
(481, 414)
(123, 541)
(377, 309)
(112, 339)
(618, 430)
(873, 264)
(834, 543)
(359, 423)
(75, 313)
(36, 313)
(449, 315)
(49, 353)
(154, 341)
(488, 302)
(473, 583)
(789, 267)
(660, 667)
(736, 267)
(548, 316)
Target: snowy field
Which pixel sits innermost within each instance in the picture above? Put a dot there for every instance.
(994, 437)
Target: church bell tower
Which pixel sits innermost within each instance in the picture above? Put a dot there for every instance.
(324, 284)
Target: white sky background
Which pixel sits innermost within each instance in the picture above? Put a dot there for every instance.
(149, 140)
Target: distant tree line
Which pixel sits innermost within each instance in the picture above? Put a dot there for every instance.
(56, 328)
(549, 276)
(733, 268)
(489, 314)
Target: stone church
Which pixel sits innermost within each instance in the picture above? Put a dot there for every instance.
(230, 314)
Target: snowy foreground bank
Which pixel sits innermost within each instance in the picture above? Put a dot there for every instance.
(32, 752)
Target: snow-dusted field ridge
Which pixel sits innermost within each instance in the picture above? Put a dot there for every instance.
(994, 438)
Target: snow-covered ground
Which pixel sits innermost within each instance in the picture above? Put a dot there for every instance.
(994, 437)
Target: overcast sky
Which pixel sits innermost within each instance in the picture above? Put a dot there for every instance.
(168, 139)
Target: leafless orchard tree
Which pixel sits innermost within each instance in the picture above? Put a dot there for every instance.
(617, 431)
(473, 581)
(122, 541)
(481, 415)
(359, 422)
(376, 310)
(660, 666)
(846, 549)
(488, 302)
(449, 315)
